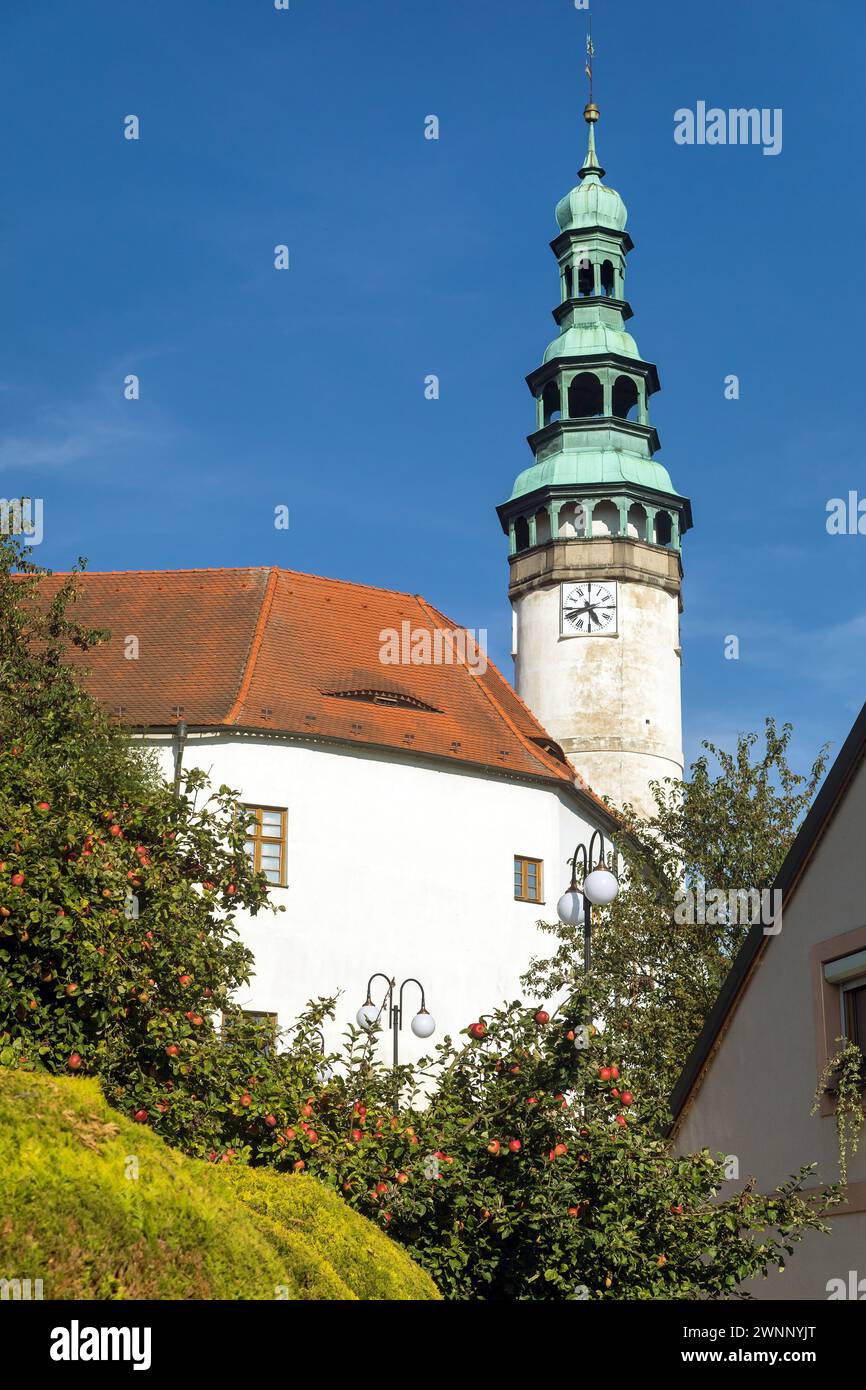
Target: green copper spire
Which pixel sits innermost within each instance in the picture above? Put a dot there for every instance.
(591, 203)
(591, 166)
(593, 442)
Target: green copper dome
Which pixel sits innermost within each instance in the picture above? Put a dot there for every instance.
(609, 468)
(590, 338)
(591, 203)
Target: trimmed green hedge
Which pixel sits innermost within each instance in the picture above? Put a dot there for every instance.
(98, 1207)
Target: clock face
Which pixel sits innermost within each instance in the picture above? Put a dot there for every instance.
(589, 608)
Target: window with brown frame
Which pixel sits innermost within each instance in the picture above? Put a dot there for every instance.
(854, 1013)
(527, 879)
(266, 843)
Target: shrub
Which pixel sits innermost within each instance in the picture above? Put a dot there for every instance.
(100, 1208)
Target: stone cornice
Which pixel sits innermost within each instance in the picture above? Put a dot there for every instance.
(609, 557)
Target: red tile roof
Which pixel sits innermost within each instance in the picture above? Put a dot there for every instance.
(273, 649)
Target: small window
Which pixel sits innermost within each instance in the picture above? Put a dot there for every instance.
(527, 879)
(266, 845)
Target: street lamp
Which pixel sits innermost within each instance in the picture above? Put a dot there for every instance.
(423, 1024)
(324, 1071)
(599, 887)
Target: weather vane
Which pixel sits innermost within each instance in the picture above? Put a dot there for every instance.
(590, 52)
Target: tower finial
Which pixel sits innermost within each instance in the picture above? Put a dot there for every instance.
(591, 166)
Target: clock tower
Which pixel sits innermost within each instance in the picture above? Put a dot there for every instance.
(595, 524)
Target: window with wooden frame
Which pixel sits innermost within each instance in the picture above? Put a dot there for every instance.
(266, 842)
(839, 993)
(527, 879)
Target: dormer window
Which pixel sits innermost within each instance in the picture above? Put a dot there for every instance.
(375, 689)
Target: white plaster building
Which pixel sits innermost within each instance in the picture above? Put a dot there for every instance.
(398, 801)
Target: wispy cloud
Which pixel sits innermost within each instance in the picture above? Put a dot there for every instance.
(94, 429)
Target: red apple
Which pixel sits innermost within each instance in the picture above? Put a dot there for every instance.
(494, 1146)
(621, 1120)
(17, 879)
(678, 1209)
(604, 1073)
(246, 1099)
(614, 1071)
(140, 1116)
(271, 1120)
(290, 1134)
(627, 1098)
(476, 1030)
(186, 980)
(402, 1178)
(357, 1136)
(560, 1150)
(542, 1016)
(299, 1166)
(74, 1061)
(44, 806)
(514, 1145)
(115, 830)
(172, 1050)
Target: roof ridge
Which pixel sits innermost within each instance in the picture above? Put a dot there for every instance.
(255, 646)
(203, 569)
(239, 569)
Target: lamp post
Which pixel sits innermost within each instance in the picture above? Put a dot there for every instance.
(423, 1024)
(325, 1071)
(599, 886)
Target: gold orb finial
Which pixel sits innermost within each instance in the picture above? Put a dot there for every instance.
(590, 112)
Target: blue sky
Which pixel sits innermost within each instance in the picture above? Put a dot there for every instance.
(408, 257)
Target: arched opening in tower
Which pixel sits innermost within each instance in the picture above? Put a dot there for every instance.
(572, 521)
(637, 522)
(605, 519)
(585, 279)
(608, 281)
(625, 398)
(542, 526)
(664, 528)
(521, 533)
(569, 282)
(551, 403)
(585, 397)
